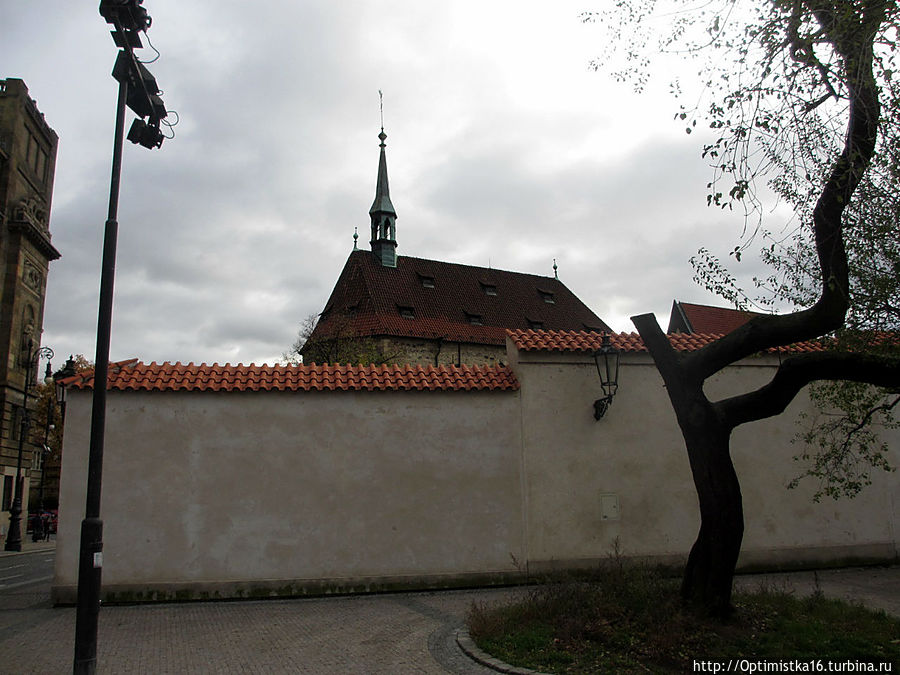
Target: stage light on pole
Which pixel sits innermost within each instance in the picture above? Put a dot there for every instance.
(127, 14)
(145, 134)
(137, 90)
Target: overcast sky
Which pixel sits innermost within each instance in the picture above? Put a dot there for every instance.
(504, 149)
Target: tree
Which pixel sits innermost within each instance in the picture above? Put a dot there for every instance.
(337, 343)
(46, 436)
(839, 443)
(806, 74)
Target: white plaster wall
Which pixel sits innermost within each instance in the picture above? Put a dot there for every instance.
(334, 487)
(637, 454)
(221, 487)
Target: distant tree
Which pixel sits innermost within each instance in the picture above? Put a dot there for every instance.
(791, 79)
(338, 344)
(46, 429)
(82, 363)
(46, 413)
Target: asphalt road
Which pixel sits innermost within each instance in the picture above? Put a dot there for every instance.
(17, 571)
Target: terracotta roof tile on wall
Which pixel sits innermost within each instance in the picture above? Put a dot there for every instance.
(580, 341)
(444, 297)
(134, 375)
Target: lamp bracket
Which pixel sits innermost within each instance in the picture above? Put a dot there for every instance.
(601, 405)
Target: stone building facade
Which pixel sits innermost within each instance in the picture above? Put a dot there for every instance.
(27, 164)
(400, 309)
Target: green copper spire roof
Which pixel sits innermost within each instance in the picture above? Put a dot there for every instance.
(382, 216)
(382, 203)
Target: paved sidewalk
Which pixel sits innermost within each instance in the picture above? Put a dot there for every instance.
(29, 546)
(392, 633)
(875, 587)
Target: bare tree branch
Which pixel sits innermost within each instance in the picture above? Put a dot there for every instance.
(798, 371)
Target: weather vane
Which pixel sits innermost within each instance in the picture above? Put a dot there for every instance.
(381, 107)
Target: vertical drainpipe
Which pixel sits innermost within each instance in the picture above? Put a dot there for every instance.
(437, 356)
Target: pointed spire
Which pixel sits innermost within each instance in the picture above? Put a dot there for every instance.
(382, 201)
(382, 214)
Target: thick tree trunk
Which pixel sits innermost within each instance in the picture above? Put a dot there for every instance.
(709, 574)
(851, 29)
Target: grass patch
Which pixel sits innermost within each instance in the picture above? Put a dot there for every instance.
(628, 619)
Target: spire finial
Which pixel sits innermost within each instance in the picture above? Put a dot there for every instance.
(555, 268)
(382, 135)
(355, 237)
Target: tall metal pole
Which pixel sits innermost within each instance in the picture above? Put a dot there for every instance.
(91, 559)
(14, 536)
(45, 453)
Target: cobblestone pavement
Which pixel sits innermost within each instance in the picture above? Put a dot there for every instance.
(396, 634)
(391, 633)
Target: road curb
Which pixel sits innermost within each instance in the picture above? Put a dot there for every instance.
(467, 644)
(30, 549)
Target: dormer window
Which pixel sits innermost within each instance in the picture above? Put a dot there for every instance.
(407, 312)
(474, 319)
(535, 325)
(426, 281)
(489, 289)
(547, 297)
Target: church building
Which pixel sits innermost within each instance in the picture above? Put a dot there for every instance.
(27, 163)
(400, 309)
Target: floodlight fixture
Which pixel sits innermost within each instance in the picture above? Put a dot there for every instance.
(127, 15)
(145, 134)
(143, 92)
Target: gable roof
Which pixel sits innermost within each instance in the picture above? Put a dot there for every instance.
(687, 317)
(133, 375)
(447, 300)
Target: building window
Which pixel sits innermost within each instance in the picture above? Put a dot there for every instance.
(489, 289)
(535, 325)
(35, 156)
(427, 282)
(474, 319)
(547, 297)
(407, 312)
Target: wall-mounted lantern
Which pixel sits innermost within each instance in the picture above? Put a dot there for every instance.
(607, 360)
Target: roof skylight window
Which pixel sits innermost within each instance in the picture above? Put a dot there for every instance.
(489, 289)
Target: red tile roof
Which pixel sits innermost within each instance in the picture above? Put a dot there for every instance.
(580, 341)
(690, 318)
(134, 375)
(367, 298)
